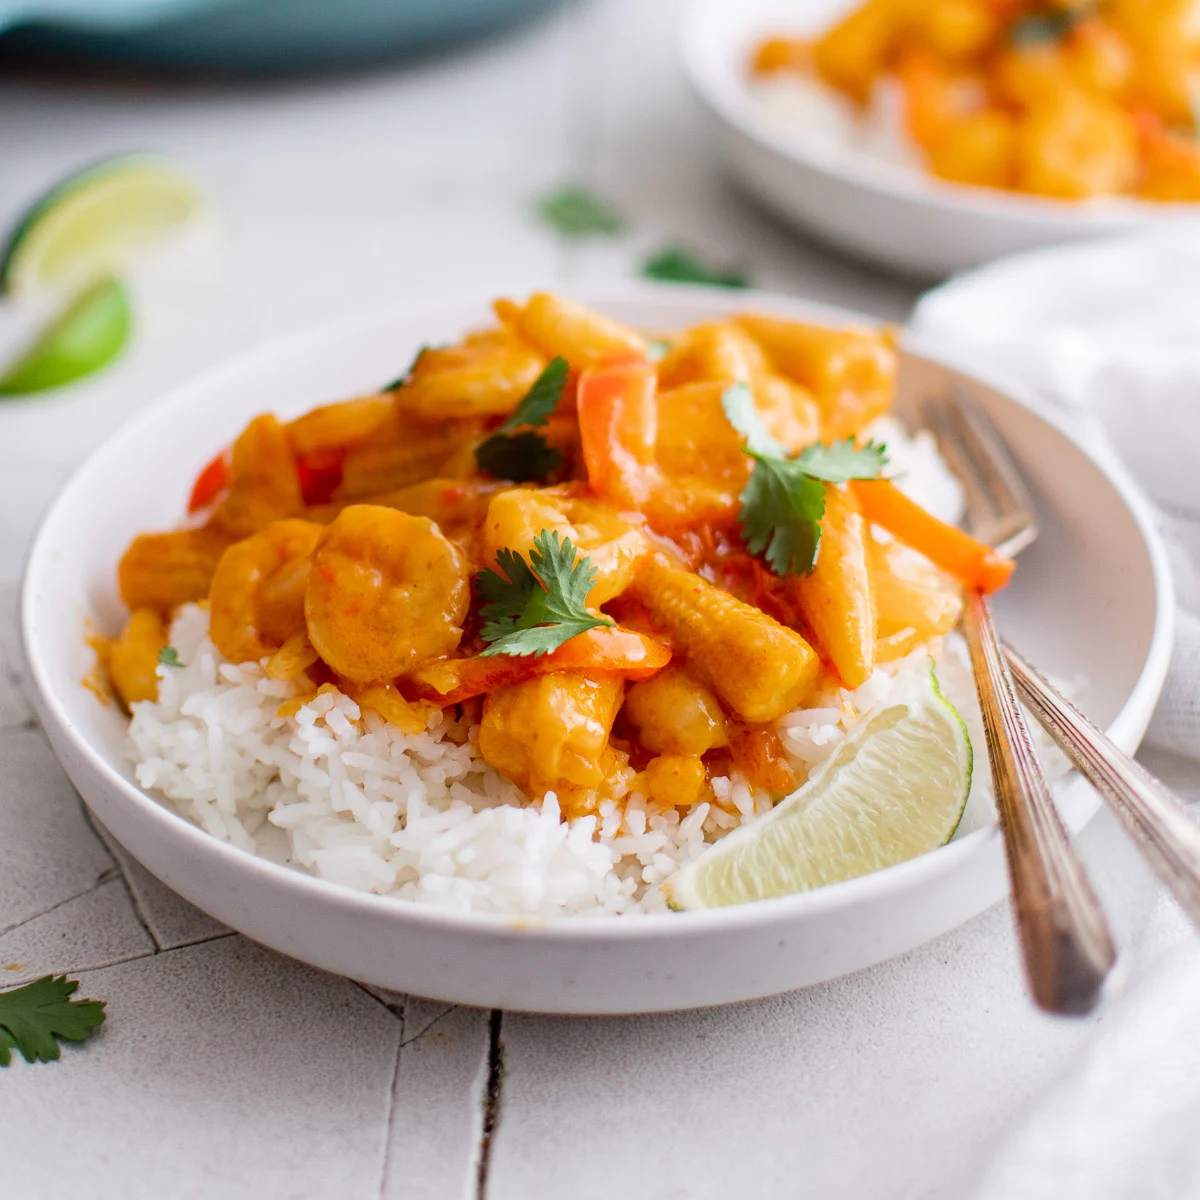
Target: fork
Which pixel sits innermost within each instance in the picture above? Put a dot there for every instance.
(1065, 940)
(1151, 814)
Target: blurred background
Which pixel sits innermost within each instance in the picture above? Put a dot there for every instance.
(350, 155)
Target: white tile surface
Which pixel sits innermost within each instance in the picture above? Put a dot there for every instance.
(169, 919)
(93, 930)
(436, 1117)
(48, 855)
(222, 1071)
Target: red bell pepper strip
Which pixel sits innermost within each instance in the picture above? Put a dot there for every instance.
(618, 426)
(210, 483)
(608, 649)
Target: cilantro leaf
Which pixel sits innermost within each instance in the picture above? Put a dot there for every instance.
(674, 264)
(169, 657)
(784, 499)
(542, 398)
(738, 403)
(401, 380)
(781, 516)
(843, 460)
(575, 212)
(527, 455)
(537, 606)
(521, 457)
(658, 349)
(36, 1017)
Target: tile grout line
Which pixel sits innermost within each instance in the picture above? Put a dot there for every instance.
(105, 876)
(416, 1037)
(139, 912)
(397, 1011)
(119, 962)
(393, 1094)
(489, 1102)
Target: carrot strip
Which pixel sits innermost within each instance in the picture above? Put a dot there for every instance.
(622, 651)
(977, 565)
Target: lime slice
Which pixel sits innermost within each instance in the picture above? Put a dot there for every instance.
(87, 336)
(93, 221)
(895, 788)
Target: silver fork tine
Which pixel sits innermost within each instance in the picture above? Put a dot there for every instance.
(1066, 944)
(999, 493)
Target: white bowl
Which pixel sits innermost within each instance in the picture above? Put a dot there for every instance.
(895, 215)
(1090, 597)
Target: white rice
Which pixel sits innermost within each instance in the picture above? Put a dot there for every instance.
(343, 794)
(833, 124)
(354, 800)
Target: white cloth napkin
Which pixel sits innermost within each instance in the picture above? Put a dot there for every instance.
(1109, 330)
(1120, 1124)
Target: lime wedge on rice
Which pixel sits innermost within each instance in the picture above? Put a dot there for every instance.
(894, 789)
(88, 335)
(93, 221)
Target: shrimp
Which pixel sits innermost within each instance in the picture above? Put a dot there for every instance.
(133, 657)
(161, 571)
(387, 592)
(675, 714)
(485, 376)
(257, 593)
(614, 544)
(550, 733)
(264, 484)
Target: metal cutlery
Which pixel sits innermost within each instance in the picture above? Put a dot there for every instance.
(1067, 947)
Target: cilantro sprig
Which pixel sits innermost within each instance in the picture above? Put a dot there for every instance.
(169, 657)
(526, 455)
(784, 500)
(534, 607)
(575, 212)
(36, 1017)
(401, 380)
(675, 264)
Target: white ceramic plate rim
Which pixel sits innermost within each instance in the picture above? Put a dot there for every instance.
(715, 64)
(1126, 727)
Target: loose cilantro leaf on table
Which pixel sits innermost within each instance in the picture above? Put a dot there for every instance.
(534, 607)
(674, 264)
(169, 657)
(36, 1017)
(526, 455)
(784, 500)
(576, 212)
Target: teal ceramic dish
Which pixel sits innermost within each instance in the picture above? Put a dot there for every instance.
(250, 35)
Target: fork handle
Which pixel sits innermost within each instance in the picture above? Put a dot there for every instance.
(1153, 816)
(1067, 947)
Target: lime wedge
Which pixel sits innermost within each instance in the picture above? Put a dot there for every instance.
(88, 335)
(895, 788)
(93, 221)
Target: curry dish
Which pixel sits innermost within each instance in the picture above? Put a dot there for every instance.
(1071, 99)
(598, 548)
